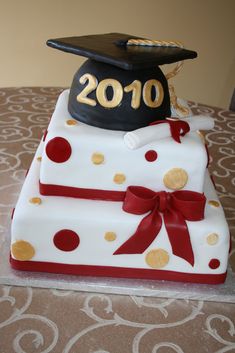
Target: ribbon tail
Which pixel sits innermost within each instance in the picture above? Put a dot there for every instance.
(178, 234)
(175, 131)
(178, 128)
(146, 232)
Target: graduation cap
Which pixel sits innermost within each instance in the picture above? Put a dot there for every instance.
(120, 86)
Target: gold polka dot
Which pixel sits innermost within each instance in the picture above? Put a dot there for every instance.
(214, 203)
(157, 258)
(71, 122)
(175, 179)
(212, 239)
(97, 158)
(22, 250)
(119, 178)
(39, 159)
(110, 236)
(35, 200)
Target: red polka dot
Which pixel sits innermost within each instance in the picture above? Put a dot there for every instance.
(151, 156)
(214, 263)
(66, 240)
(58, 150)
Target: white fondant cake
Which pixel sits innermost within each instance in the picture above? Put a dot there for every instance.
(118, 188)
(74, 235)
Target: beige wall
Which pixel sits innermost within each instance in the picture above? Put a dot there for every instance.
(206, 26)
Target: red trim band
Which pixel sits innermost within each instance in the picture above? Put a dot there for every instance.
(118, 272)
(82, 193)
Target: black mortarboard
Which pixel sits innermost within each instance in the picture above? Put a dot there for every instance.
(121, 86)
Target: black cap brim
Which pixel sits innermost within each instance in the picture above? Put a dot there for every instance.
(111, 48)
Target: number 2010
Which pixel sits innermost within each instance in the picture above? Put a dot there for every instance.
(135, 88)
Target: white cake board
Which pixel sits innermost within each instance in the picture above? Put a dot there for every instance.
(149, 288)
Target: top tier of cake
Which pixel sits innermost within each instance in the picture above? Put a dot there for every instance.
(79, 160)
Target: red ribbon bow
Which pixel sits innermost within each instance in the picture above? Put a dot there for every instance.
(177, 127)
(176, 207)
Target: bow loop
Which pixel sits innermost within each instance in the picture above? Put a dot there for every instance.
(190, 203)
(139, 200)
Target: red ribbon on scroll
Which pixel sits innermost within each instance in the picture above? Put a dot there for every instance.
(176, 207)
(177, 127)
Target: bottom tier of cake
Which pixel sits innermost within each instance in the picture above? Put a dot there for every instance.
(83, 237)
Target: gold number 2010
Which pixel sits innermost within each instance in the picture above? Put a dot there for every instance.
(135, 87)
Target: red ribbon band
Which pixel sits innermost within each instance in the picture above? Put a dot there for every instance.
(176, 207)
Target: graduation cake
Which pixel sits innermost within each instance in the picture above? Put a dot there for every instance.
(117, 186)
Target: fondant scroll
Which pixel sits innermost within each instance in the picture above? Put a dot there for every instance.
(141, 137)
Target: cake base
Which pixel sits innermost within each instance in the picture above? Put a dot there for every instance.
(117, 272)
(148, 288)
